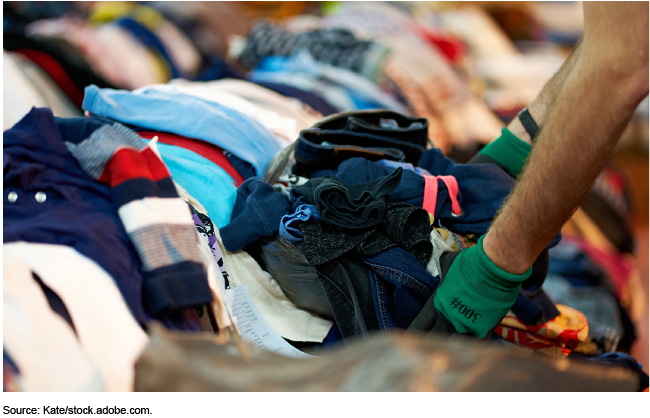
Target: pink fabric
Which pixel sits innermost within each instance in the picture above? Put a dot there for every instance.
(452, 186)
(431, 193)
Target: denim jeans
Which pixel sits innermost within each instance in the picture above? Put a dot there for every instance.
(382, 292)
(400, 288)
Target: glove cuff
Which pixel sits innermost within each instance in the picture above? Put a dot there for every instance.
(508, 150)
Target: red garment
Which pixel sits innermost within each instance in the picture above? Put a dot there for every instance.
(56, 73)
(452, 48)
(204, 149)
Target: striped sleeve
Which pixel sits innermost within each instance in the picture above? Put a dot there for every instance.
(156, 219)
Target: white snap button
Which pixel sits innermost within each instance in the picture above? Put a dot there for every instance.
(40, 197)
(12, 196)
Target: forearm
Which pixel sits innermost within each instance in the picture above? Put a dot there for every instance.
(539, 107)
(511, 149)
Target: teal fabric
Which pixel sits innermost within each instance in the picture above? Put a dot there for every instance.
(204, 180)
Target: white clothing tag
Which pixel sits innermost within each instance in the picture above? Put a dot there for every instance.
(253, 327)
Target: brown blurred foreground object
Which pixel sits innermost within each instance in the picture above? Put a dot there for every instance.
(176, 361)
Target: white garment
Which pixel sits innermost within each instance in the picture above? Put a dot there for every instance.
(284, 316)
(439, 248)
(283, 116)
(25, 86)
(41, 343)
(56, 100)
(18, 94)
(137, 64)
(107, 331)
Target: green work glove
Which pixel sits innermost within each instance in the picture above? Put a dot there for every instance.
(474, 295)
(508, 151)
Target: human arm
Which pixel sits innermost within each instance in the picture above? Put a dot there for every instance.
(596, 101)
(539, 107)
(592, 106)
(511, 149)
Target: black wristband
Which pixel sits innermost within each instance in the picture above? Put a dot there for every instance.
(529, 123)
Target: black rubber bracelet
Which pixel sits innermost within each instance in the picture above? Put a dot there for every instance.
(528, 122)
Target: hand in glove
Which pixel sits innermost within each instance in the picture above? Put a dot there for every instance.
(473, 296)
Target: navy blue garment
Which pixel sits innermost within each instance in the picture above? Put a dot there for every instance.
(320, 150)
(215, 68)
(78, 211)
(148, 39)
(383, 292)
(568, 261)
(482, 188)
(314, 101)
(246, 170)
(256, 214)
(533, 306)
(332, 339)
(371, 134)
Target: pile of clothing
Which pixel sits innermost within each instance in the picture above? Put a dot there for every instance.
(165, 214)
(303, 180)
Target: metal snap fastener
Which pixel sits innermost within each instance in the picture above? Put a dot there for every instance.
(456, 216)
(12, 196)
(40, 197)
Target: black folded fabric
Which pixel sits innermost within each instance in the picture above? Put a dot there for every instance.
(404, 225)
(384, 123)
(355, 207)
